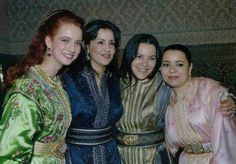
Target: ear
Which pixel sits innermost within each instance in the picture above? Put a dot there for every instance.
(48, 42)
(190, 68)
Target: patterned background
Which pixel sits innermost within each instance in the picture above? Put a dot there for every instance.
(208, 27)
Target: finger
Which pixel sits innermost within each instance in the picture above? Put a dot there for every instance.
(227, 113)
(227, 109)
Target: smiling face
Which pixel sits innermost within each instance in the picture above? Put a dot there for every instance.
(102, 50)
(145, 61)
(65, 45)
(175, 68)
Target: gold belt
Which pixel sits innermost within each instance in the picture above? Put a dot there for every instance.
(50, 149)
(198, 148)
(148, 138)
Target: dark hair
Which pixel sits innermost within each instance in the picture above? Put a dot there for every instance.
(91, 31)
(181, 48)
(130, 53)
(37, 48)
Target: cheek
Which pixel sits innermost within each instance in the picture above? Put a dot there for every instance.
(78, 49)
(113, 50)
(56, 46)
(163, 73)
(132, 66)
(152, 65)
(93, 50)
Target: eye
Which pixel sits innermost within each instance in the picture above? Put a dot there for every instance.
(65, 40)
(165, 65)
(78, 43)
(179, 64)
(112, 43)
(100, 42)
(139, 56)
(152, 58)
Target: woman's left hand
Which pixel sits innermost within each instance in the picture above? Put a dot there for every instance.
(227, 107)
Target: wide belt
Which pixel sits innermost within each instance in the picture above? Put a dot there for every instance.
(147, 138)
(50, 149)
(198, 148)
(89, 136)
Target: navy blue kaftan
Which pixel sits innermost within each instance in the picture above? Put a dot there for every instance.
(93, 109)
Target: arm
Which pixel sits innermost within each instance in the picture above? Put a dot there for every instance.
(223, 131)
(18, 126)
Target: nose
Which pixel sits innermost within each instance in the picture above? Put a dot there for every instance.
(107, 47)
(172, 68)
(72, 47)
(144, 62)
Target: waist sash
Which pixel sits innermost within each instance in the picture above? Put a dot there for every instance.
(198, 148)
(50, 149)
(148, 138)
(89, 136)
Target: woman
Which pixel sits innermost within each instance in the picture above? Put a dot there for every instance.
(144, 98)
(94, 92)
(191, 120)
(36, 108)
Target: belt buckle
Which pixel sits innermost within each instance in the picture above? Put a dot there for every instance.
(131, 139)
(60, 150)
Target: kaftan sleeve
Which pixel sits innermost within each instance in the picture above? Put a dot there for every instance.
(18, 125)
(223, 134)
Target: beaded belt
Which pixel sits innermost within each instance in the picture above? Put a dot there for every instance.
(198, 148)
(148, 138)
(50, 149)
(89, 136)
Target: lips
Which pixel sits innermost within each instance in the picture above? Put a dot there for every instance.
(107, 56)
(68, 56)
(172, 77)
(142, 69)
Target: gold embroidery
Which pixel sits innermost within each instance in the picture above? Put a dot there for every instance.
(55, 84)
(185, 131)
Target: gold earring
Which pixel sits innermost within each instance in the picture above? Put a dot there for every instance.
(189, 80)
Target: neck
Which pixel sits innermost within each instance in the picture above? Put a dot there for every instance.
(99, 71)
(183, 89)
(50, 68)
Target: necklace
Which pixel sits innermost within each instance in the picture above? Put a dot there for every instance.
(51, 81)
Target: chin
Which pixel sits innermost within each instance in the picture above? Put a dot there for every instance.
(67, 63)
(141, 78)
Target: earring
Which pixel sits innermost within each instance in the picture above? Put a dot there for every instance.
(164, 83)
(189, 80)
(87, 57)
(49, 51)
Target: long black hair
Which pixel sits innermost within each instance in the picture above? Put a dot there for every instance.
(130, 53)
(91, 31)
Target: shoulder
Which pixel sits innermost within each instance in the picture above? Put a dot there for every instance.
(26, 85)
(209, 88)
(207, 83)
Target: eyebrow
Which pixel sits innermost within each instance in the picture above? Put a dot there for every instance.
(69, 38)
(103, 39)
(143, 54)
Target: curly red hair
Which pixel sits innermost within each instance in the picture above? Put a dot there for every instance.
(38, 48)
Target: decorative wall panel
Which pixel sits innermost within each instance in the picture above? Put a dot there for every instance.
(171, 21)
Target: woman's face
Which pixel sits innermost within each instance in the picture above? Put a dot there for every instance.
(175, 68)
(102, 49)
(145, 61)
(65, 45)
